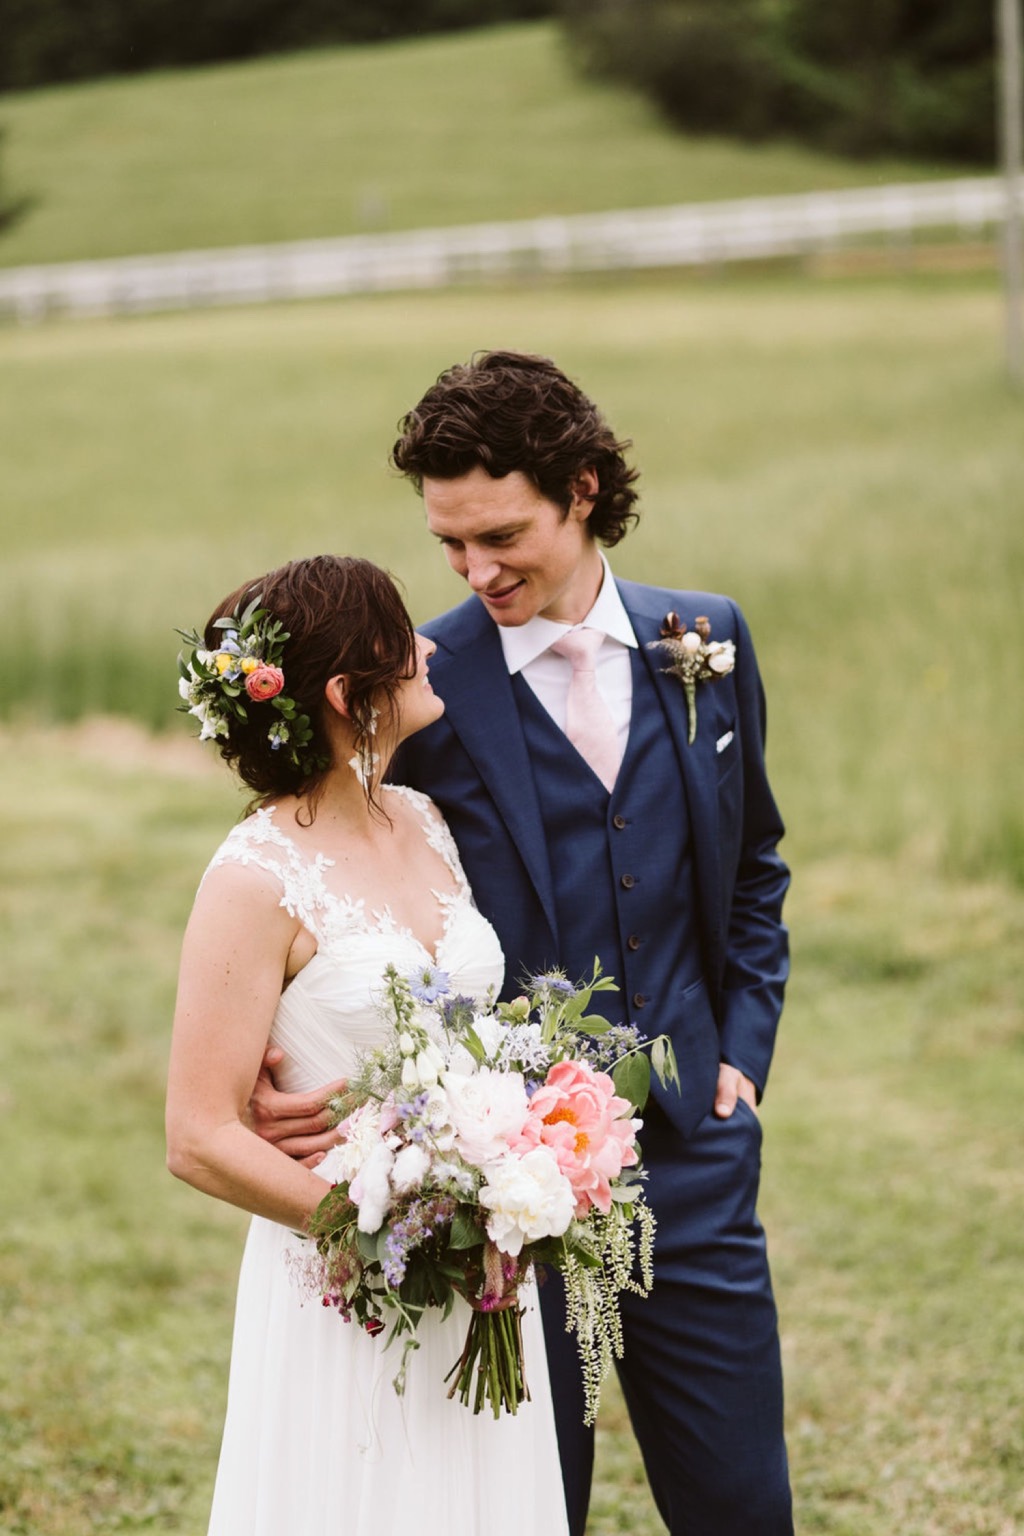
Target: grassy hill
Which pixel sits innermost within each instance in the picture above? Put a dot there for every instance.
(842, 458)
(478, 126)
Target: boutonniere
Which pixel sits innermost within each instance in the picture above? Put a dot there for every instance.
(695, 658)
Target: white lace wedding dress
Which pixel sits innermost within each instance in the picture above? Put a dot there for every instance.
(316, 1440)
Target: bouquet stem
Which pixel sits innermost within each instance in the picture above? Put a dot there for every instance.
(493, 1353)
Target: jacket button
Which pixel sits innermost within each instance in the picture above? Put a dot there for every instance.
(627, 882)
(633, 942)
(618, 822)
(638, 1000)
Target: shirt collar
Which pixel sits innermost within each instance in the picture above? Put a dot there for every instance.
(525, 642)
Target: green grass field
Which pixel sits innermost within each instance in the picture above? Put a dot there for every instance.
(892, 1177)
(448, 130)
(843, 457)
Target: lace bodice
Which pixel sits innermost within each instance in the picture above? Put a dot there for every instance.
(330, 1011)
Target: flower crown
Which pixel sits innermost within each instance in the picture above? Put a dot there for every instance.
(245, 670)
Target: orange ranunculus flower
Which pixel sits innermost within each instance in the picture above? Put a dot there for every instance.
(264, 683)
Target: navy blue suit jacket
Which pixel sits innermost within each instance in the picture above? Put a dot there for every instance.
(473, 763)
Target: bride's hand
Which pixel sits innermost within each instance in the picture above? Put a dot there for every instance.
(297, 1123)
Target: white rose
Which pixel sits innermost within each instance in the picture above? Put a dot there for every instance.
(528, 1198)
(722, 657)
(690, 642)
(487, 1109)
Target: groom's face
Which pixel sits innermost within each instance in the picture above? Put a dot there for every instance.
(520, 553)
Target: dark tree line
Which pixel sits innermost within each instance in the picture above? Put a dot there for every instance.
(44, 41)
(861, 77)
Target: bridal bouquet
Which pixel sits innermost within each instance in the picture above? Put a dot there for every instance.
(475, 1144)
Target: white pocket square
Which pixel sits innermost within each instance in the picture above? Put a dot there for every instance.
(723, 741)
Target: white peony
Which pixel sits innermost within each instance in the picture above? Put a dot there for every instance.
(528, 1198)
(487, 1110)
(360, 1134)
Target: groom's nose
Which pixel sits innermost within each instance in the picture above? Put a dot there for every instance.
(481, 568)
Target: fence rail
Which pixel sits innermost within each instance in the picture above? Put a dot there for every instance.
(689, 234)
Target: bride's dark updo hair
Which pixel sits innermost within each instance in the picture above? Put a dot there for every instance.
(342, 615)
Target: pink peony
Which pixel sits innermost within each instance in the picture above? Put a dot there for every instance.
(577, 1114)
(264, 683)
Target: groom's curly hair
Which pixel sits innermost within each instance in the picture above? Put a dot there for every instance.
(505, 411)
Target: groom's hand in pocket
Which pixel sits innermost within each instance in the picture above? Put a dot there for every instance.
(298, 1123)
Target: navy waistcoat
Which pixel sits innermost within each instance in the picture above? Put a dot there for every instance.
(630, 853)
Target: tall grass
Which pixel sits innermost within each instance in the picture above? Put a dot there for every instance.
(842, 459)
(447, 130)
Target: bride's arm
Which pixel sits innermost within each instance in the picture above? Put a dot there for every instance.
(233, 962)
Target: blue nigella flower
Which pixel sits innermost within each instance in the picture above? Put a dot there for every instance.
(428, 984)
(552, 981)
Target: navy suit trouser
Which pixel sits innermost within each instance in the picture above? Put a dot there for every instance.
(701, 1373)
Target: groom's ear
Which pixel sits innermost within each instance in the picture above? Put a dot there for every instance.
(585, 488)
(336, 694)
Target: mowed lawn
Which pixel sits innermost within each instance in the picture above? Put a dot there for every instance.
(485, 125)
(845, 460)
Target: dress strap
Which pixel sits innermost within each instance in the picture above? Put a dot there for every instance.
(259, 842)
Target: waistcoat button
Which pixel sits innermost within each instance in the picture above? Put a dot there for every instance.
(618, 822)
(627, 882)
(633, 942)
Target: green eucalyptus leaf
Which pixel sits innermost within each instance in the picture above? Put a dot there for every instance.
(632, 1078)
(594, 1024)
(466, 1231)
(366, 1242)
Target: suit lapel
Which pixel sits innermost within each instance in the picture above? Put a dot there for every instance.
(471, 676)
(697, 762)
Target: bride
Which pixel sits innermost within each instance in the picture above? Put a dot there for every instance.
(308, 679)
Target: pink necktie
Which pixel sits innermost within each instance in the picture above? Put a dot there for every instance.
(588, 720)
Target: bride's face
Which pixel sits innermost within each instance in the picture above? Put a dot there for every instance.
(416, 701)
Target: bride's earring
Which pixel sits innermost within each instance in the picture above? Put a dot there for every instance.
(366, 761)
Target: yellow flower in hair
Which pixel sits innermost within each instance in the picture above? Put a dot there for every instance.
(250, 663)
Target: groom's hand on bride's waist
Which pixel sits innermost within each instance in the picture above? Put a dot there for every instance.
(297, 1123)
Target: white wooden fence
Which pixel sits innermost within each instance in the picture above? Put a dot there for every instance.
(690, 234)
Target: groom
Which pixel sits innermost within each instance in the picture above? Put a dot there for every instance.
(655, 854)
(589, 824)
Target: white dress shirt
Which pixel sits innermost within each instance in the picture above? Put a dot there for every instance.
(527, 650)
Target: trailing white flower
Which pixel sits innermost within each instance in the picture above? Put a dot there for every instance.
(591, 1293)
